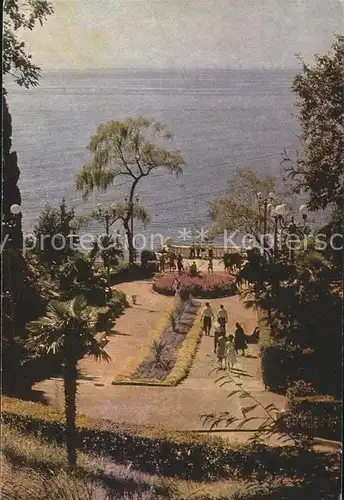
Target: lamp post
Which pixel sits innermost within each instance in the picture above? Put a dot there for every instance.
(104, 215)
(108, 217)
(10, 224)
(267, 204)
(280, 213)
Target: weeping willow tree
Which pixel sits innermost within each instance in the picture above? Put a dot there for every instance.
(130, 150)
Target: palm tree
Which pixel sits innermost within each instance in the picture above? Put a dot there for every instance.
(68, 330)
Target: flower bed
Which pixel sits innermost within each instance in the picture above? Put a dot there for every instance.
(171, 354)
(162, 358)
(204, 286)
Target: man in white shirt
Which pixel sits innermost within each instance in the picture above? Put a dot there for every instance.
(222, 317)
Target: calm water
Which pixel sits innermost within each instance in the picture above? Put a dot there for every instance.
(219, 120)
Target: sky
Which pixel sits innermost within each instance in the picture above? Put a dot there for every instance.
(116, 34)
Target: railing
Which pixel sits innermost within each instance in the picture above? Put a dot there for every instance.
(218, 251)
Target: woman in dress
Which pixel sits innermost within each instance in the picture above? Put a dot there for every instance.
(239, 339)
(221, 352)
(230, 352)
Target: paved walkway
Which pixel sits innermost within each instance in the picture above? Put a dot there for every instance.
(170, 407)
(131, 331)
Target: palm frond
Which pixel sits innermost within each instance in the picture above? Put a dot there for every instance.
(77, 305)
(95, 349)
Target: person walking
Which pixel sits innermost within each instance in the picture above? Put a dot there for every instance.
(171, 262)
(239, 339)
(176, 286)
(230, 352)
(192, 251)
(221, 352)
(193, 269)
(222, 317)
(180, 265)
(207, 315)
(210, 252)
(210, 266)
(218, 331)
(162, 263)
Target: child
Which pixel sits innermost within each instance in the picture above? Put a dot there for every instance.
(230, 352)
(218, 331)
(221, 352)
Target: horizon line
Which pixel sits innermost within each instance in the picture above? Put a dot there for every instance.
(222, 68)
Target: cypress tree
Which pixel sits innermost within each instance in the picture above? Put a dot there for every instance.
(10, 190)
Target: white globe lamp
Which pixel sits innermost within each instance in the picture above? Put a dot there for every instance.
(281, 210)
(303, 210)
(15, 209)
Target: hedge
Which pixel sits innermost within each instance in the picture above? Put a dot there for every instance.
(136, 272)
(312, 414)
(284, 363)
(153, 450)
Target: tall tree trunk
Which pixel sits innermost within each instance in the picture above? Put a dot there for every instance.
(128, 222)
(70, 385)
(130, 243)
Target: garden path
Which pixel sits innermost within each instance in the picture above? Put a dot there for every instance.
(171, 407)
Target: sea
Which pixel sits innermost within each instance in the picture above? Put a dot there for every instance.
(219, 120)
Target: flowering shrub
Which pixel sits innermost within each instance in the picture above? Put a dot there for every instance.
(203, 286)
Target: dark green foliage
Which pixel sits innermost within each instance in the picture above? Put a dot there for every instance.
(27, 300)
(12, 228)
(304, 336)
(319, 170)
(22, 16)
(310, 413)
(173, 453)
(118, 303)
(55, 233)
(284, 361)
(335, 229)
(147, 256)
(68, 330)
(313, 487)
(77, 276)
(109, 249)
(135, 272)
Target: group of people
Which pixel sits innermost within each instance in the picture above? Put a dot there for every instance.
(172, 262)
(198, 251)
(226, 347)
